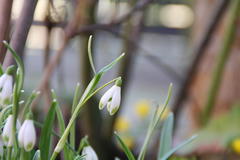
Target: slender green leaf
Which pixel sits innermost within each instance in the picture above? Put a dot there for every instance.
(60, 118)
(169, 153)
(90, 54)
(153, 124)
(166, 136)
(37, 155)
(29, 102)
(61, 123)
(45, 139)
(84, 142)
(126, 150)
(74, 105)
(109, 66)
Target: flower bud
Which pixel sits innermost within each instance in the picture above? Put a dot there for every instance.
(89, 153)
(6, 87)
(7, 135)
(27, 135)
(112, 98)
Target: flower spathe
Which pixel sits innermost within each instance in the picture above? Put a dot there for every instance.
(89, 153)
(27, 135)
(6, 87)
(111, 99)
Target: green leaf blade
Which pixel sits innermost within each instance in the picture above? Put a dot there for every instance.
(126, 150)
(45, 139)
(166, 136)
(168, 154)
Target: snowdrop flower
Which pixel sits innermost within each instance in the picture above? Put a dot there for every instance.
(89, 153)
(112, 98)
(7, 135)
(7, 131)
(6, 87)
(27, 135)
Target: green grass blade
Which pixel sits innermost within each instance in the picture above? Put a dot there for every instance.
(166, 136)
(28, 103)
(124, 147)
(153, 124)
(109, 66)
(61, 123)
(75, 102)
(84, 142)
(60, 118)
(45, 139)
(168, 154)
(37, 155)
(90, 54)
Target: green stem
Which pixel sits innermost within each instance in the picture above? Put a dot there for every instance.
(222, 59)
(54, 156)
(15, 111)
(9, 153)
(24, 155)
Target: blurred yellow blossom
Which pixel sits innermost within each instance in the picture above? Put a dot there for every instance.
(236, 145)
(142, 108)
(128, 140)
(122, 124)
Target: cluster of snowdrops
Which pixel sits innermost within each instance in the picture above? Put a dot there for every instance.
(19, 140)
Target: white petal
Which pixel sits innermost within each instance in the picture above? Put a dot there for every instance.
(105, 98)
(7, 88)
(21, 134)
(29, 136)
(7, 131)
(3, 79)
(116, 99)
(89, 153)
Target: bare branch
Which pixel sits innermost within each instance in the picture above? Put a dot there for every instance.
(23, 25)
(5, 17)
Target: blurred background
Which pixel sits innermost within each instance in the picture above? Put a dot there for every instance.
(193, 44)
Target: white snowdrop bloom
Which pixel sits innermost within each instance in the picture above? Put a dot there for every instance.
(111, 99)
(6, 86)
(89, 153)
(7, 135)
(27, 135)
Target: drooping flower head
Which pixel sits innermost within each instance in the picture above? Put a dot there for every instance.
(112, 98)
(27, 135)
(7, 134)
(6, 85)
(89, 153)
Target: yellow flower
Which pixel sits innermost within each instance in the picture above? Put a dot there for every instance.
(129, 141)
(142, 108)
(122, 124)
(236, 145)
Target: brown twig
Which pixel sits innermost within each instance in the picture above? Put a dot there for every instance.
(20, 34)
(5, 17)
